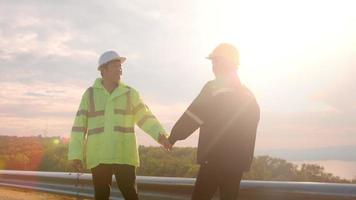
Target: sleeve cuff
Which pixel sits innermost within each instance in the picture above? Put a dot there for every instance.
(171, 140)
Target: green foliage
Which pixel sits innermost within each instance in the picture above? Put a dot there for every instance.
(50, 154)
(268, 168)
(156, 162)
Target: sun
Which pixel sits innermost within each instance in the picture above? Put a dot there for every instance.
(279, 41)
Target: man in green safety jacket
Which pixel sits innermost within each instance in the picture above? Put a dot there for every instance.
(227, 114)
(103, 131)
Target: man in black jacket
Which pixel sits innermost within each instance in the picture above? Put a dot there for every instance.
(227, 114)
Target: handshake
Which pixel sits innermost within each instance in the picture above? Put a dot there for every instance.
(163, 140)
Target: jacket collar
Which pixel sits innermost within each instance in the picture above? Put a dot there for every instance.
(122, 89)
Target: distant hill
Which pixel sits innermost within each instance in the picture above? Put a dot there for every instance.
(344, 153)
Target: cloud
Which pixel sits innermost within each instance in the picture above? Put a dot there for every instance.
(41, 38)
(36, 104)
(38, 47)
(55, 44)
(38, 108)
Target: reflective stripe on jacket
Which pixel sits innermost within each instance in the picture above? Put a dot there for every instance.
(103, 130)
(227, 116)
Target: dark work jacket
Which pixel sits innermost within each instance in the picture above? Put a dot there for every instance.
(227, 116)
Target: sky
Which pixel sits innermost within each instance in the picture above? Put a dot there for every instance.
(298, 58)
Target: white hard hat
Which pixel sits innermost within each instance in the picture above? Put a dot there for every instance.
(109, 56)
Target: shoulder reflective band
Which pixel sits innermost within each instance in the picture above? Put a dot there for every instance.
(222, 90)
(82, 112)
(95, 130)
(78, 129)
(123, 129)
(92, 112)
(138, 107)
(194, 117)
(144, 119)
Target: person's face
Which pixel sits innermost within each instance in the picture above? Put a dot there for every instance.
(113, 71)
(221, 68)
(218, 67)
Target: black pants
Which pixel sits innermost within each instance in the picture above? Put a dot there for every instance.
(125, 177)
(216, 176)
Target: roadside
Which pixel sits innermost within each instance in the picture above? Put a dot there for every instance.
(8, 193)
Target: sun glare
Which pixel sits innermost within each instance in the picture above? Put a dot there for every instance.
(279, 39)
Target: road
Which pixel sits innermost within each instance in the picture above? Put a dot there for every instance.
(7, 193)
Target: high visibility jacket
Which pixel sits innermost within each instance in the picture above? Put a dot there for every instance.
(103, 130)
(227, 116)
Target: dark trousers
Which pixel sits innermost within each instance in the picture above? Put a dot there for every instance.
(125, 176)
(216, 176)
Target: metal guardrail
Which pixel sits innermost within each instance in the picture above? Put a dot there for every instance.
(169, 188)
